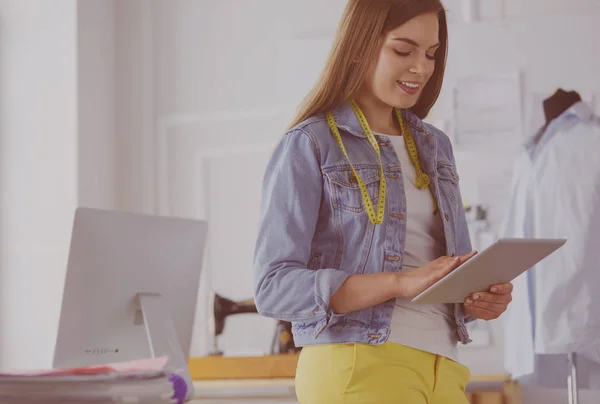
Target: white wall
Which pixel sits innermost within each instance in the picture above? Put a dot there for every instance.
(38, 159)
(96, 87)
(134, 105)
(56, 151)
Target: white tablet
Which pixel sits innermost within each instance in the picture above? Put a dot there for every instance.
(501, 262)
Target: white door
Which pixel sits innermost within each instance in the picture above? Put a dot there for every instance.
(213, 86)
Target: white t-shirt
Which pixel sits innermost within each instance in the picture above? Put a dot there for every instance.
(425, 327)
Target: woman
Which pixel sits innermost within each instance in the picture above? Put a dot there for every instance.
(362, 211)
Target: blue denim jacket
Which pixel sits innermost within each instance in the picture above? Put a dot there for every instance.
(314, 231)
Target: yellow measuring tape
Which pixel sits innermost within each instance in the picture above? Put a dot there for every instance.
(422, 180)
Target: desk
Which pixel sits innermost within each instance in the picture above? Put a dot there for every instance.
(271, 391)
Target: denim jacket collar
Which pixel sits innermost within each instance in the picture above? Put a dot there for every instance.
(347, 120)
(424, 139)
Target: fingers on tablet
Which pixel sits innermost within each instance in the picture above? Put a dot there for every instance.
(504, 288)
(466, 257)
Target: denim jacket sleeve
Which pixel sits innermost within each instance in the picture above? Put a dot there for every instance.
(463, 237)
(284, 287)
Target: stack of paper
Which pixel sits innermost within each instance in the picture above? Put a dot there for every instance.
(143, 382)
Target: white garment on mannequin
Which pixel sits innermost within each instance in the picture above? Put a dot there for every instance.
(556, 305)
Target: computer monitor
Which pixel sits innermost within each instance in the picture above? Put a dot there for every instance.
(130, 290)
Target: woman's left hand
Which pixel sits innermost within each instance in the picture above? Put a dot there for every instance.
(489, 305)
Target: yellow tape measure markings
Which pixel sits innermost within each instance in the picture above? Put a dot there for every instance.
(422, 181)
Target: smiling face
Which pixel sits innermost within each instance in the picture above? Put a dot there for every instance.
(405, 62)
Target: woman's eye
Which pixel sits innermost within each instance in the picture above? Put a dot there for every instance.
(401, 53)
(405, 54)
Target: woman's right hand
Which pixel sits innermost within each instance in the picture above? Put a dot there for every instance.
(414, 282)
(364, 291)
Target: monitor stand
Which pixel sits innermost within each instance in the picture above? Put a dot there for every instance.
(162, 337)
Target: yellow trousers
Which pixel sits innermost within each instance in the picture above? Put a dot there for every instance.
(378, 374)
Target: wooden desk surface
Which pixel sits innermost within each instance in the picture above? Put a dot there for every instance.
(245, 391)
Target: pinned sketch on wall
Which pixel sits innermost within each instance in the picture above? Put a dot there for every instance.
(488, 111)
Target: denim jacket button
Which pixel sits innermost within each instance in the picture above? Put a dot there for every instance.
(447, 216)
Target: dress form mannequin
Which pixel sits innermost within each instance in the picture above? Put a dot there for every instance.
(554, 106)
(559, 102)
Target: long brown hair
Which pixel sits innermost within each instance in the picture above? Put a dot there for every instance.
(356, 44)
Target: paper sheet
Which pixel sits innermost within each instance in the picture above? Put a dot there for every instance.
(121, 367)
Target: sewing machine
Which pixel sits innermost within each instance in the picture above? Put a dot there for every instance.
(222, 308)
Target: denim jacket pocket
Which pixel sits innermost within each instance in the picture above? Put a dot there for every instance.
(448, 180)
(345, 191)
